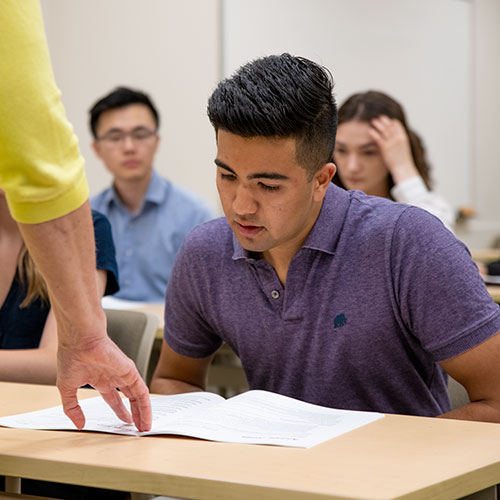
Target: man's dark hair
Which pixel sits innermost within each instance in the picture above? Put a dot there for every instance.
(119, 98)
(280, 96)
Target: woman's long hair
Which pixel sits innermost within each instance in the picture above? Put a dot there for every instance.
(31, 279)
(365, 106)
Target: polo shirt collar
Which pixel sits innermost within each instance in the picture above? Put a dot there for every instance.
(326, 231)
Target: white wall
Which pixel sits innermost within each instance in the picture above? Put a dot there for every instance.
(417, 51)
(485, 169)
(439, 57)
(167, 48)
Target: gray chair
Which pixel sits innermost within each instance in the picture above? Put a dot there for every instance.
(458, 394)
(133, 332)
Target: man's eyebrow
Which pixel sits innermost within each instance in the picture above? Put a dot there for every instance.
(269, 175)
(259, 175)
(118, 129)
(221, 164)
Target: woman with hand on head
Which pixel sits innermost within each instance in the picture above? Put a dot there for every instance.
(376, 152)
(28, 330)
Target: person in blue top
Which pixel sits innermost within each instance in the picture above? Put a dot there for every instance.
(28, 331)
(149, 215)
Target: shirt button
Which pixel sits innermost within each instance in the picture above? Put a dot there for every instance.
(127, 282)
(275, 294)
(129, 253)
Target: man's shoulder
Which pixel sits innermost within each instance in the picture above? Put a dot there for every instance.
(374, 219)
(379, 212)
(187, 200)
(100, 201)
(214, 229)
(213, 237)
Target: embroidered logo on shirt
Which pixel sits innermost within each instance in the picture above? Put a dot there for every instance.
(339, 321)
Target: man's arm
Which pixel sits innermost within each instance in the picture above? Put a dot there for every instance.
(175, 373)
(64, 251)
(478, 371)
(42, 173)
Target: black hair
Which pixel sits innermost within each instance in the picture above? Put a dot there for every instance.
(119, 98)
(280, 96)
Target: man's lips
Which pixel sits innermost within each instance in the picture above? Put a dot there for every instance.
(247, 229)
(131, 163)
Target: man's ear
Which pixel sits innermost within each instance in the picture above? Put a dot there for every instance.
(322, 179)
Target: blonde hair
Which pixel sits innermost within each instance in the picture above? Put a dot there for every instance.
(31, 279)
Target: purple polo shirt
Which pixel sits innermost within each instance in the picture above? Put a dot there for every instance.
(379, 293)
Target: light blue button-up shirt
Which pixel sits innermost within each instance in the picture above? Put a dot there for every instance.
(147, 242)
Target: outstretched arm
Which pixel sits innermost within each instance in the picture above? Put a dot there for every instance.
(42, 173)
(64, 251)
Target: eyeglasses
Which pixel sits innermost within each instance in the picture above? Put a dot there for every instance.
(116, 138)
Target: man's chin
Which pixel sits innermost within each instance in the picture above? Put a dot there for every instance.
(250, 245)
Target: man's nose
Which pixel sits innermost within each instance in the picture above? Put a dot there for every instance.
(244, 203)
(128, 142)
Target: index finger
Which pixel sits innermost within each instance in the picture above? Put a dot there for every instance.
(116, 403)
(140, 404)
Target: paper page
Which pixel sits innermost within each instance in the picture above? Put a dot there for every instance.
(100, 417)
(254, 417)
(110, 302)
(261, 417)
(492, 279)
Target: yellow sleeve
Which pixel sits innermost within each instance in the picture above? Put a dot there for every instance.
(41, 168)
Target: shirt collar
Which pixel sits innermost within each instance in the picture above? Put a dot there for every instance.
(326, 231)
(157, 189)
(156, 193)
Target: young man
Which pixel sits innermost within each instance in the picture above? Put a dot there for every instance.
(329, 296)
(149, 215)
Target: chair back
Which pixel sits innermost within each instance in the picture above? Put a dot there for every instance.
(458, 394)
(134, 333)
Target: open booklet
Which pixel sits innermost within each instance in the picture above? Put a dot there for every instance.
(253, 417)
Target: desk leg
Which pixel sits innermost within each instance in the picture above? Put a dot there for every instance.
(12, 484)
(487, 494)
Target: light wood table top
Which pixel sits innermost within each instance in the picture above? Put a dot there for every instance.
(485, 254)
(393, 458)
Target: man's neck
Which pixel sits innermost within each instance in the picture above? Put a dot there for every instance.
(281, 257)
(132, 192)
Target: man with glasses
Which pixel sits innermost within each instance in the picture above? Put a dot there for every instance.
(149, 215)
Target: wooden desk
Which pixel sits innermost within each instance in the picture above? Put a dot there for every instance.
(394, 458)
(485, 254)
